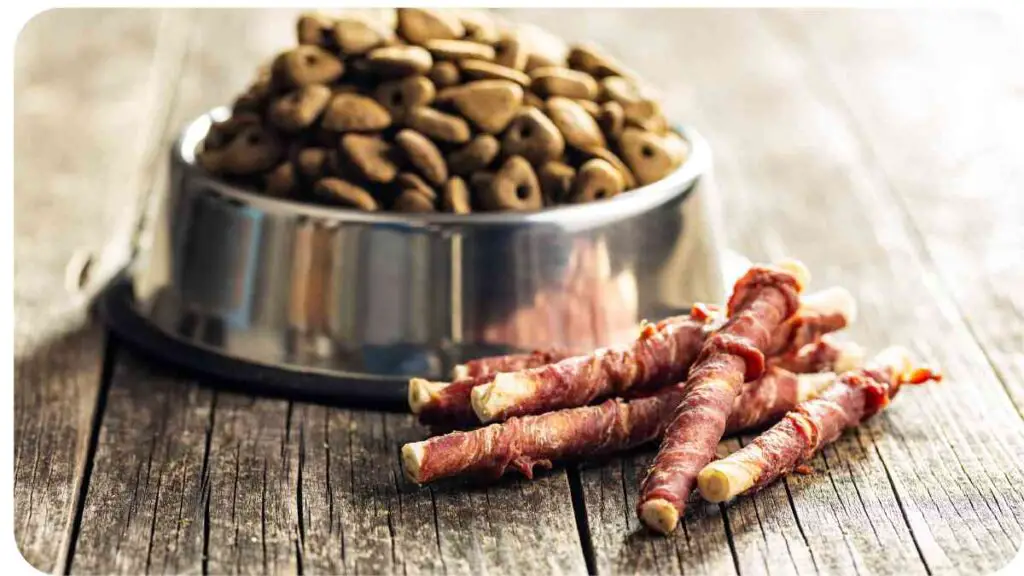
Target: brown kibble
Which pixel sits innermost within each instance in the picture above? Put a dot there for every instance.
(355, 113)
(444, 74)
(373, 156)
(531, 99)
(410, 181)
(253, 149)
(398, 96)
(619, 89)
(356, 36)
(677, 146)
(555, 181)
(596, 180)
(306, 65)
(592, 108)
(646, 115)
(646, 155)
(413, 201)
(533, 136)
(458, 50)
(300, 108)
(588, 58)
(480, 182)
(423, 155)
(543, 47)
(480, 27)
(221, 133)
(343, 193)
(480, 70)
(488, 104)
(314, 30)
(476, 155)
(557, 81)
(577, 126)
(510, 53)
(455, 196)
(399, 61)
(419, 26)
(611, 119)
(514, 187)
(312, 163)
(438, 125)
(280, 182)
(610, 157)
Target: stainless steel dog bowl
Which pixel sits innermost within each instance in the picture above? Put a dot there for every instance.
(376, 297)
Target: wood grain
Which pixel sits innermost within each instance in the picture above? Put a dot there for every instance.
(82, 113)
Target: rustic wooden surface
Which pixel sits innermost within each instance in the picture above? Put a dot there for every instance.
(868, 144)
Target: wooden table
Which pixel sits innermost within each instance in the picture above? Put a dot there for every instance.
(882, 148)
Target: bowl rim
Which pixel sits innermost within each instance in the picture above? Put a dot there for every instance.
(623, 206)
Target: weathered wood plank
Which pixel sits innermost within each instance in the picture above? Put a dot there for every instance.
(82, 113)
(894, 489)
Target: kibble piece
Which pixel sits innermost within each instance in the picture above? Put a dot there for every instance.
(481, 70)
(455, 196)
(252, 150)
(414, 202)
(280, 181)
(543, 47)
(410, 181)
(514, 187)
(355, 113)
(577, 126)
(444, 74)
(423, 155)
(480, 27)
(372, 155)
(533, 136)
(510, 53)
(596, 180)
(588, 58)
(555, 181)
(419, 26)
(476, 155)
(611, 119)
(222, 133)
(306, 65)
(531, 99)
(399, 61)
(343, 193)
(677, 147)
(592, 108)
(458, 50)
(314, 30)
(646, 115)
(438, 125)
(488, 104)
(356, 36)
(399, 96)
(480, 182)
(646, 155)
(610, 157)
(300, 108)
(312, 163)
(557, 81)
(619, 89)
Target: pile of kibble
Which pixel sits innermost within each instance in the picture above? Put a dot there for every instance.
(443, 111)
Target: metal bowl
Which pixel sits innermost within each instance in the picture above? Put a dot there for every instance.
(383, 296)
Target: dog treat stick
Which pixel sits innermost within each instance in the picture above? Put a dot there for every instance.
(762, 300)
(820, 313)
(825, 355)
(852, 398)
(491, 365)
(524, 442)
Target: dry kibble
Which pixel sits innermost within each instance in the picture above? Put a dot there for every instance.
(306, 65)
(438, 125)
(488, 104)
(355, 113)
(531, 99)
(372, 155)
(481, 70)
(398, 96)
(588, 58)
(476, 155)
(596, 180)
(419, 26)
(610, 157)
(458, 50)
(533, 136)
(558, 81)
(480, 182)
(455, 196)
(514, 187)
(280, 181)
(646, 155)
(413, 201)
(577, 126)
(479, 25)
(355, 36)
(399, 61)
(423, 155)
(222, 133)
(314, 29)
(343, 193)
(510, 53)
(410, 181)
(312, 163)
(611, 119)
(677, 147)
(251, 151)
(646, 115)
(556, 181)
(300, 108)
(444, 74)
(592, 108)
(543, 47)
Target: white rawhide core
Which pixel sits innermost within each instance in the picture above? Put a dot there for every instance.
(422, 392)
(830, 301)
(412, 459)
(491, 399)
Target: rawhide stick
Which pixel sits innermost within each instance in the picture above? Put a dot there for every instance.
(852, 398)
(762, 300)
(491, 365)
(825, 355)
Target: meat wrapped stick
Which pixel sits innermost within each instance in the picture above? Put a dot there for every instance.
(764, 299)
(849, 400)
(491, 365)
(525, 442)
